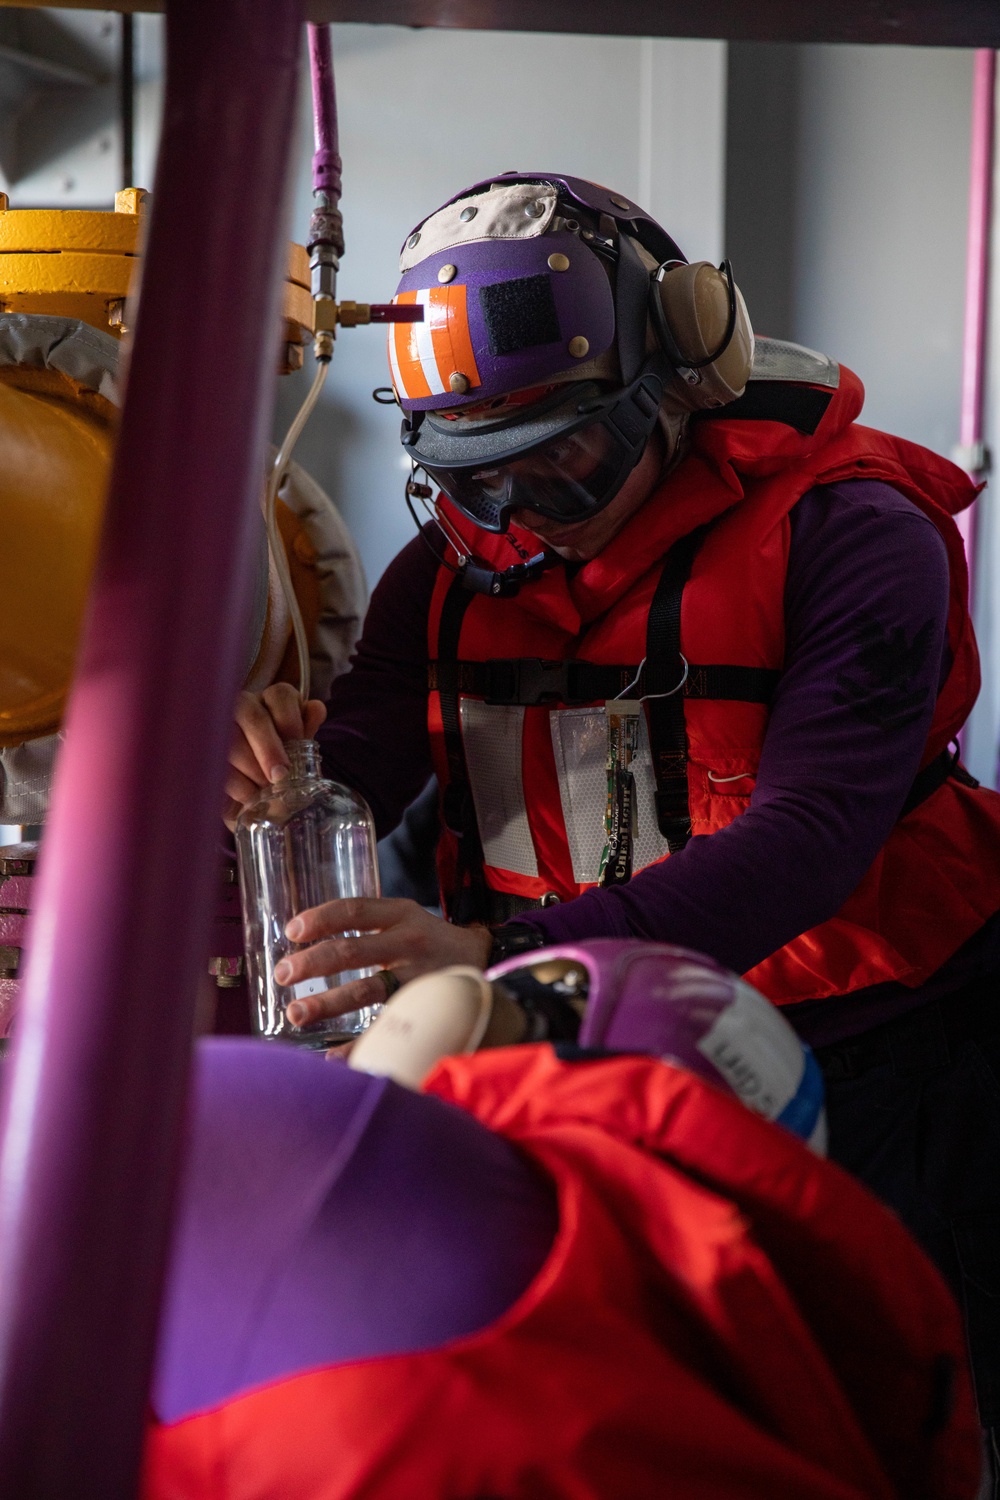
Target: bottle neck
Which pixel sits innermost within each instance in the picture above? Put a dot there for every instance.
(303, 760)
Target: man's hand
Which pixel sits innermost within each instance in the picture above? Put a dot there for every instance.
(395, 934)
(257, 757)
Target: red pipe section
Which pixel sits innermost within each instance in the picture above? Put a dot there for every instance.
(94, 1093)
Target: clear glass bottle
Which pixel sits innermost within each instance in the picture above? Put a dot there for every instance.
(303, 841)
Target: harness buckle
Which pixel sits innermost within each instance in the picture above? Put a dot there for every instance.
(527, 680)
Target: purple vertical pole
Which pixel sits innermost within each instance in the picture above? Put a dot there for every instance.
(977, 272)
(94, 1093)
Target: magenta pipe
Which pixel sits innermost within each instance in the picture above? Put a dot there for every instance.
(94, 1093)
(326, 163)
(977, 273)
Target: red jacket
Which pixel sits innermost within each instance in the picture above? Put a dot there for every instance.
(722, 1316)
(537, 769)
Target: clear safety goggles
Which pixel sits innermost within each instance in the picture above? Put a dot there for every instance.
(567, 461)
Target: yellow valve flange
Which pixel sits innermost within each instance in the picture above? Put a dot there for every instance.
(72, 263)
(80, 263)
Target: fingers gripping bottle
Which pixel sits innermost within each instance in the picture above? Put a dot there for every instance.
(302, 842)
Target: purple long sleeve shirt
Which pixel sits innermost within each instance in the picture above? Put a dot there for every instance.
(866, 604)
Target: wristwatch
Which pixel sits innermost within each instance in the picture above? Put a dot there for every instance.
(512, 938)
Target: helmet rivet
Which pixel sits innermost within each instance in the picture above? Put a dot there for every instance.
(413, 241)
(468, 213)
(578, 347)
(447, 273)
(620, 202)
(458, 382)
(558, 262)
(536, 209)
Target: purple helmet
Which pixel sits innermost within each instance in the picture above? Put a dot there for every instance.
(515, 278)
(688, 1010)
(530, 382)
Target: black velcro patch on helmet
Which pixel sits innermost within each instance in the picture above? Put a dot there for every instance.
(519, 314)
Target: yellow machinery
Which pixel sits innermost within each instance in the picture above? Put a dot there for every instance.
(65, 281)
(78, 263)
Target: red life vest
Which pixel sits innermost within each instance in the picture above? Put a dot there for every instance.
(723, 1316)
(533, 742)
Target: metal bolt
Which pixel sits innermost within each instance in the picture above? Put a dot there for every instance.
(227, 972)
(413, 241)
(116, 315)
(293, 359)
(458, 382)
(620, 202)
(536, 209)
(558, 262)
(468, 214)
(130, 200)
(579, 346)
(447, 273)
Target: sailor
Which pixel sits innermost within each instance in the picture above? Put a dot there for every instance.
(687, 649)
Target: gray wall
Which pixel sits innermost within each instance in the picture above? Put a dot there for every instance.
(847, 186)
(846, 198)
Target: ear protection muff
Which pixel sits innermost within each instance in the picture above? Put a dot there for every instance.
(703, 327)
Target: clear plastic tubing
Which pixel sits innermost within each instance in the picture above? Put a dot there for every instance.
(278, 471)
(302, 842)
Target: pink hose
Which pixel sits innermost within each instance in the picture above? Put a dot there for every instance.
(977, 272)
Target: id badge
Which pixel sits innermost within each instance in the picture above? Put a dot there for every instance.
(621, 821)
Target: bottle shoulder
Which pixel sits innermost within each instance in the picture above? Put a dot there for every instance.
(309, 797)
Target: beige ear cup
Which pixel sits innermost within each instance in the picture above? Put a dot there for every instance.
(454, 1011)
(695, 304)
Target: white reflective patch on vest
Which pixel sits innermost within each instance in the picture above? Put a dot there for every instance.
(580, 745)
(491, 734)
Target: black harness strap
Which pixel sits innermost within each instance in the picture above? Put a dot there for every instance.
(530, 681)
(927, 781)
(458, 807)
(667, 730)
